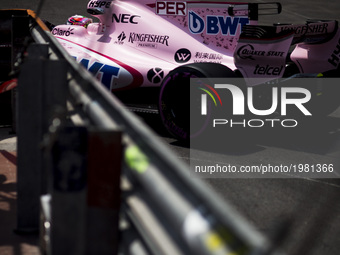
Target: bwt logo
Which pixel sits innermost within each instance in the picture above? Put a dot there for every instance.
(216, 24)
(239, 100)
(107, 72)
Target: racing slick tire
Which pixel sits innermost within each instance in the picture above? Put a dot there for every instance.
(174, 97)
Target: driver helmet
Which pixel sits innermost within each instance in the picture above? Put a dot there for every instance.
(79, 20)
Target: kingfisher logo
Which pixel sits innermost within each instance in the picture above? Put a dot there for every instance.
(121, 37)
(213, 25)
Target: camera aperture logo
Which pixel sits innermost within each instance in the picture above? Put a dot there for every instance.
(204, 98)
(241, 107)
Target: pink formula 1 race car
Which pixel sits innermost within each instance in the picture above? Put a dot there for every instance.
(162, 44)
(148, 50)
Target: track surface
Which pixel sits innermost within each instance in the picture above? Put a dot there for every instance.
(311, 206)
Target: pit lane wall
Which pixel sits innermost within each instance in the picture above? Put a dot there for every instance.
(93, 179)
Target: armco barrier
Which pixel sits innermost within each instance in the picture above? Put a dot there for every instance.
(162, 209)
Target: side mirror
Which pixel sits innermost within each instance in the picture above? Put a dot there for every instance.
(95, 10)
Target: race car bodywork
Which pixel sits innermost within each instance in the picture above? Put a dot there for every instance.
(164, 43)
(161, 44)
(137, 43)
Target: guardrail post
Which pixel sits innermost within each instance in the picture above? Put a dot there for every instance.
(39, 81)
(103, 198)
(82, 214)
(68, 204)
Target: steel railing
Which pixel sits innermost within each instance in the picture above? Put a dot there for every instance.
(163, 209)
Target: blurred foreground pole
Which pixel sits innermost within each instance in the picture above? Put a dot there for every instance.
(104, 194)
(41, 92)
(81, 214)
(68, 191)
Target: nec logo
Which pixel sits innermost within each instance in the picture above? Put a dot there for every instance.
(125, 18)
(171, 8)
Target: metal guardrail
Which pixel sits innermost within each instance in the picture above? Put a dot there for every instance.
(164, 210)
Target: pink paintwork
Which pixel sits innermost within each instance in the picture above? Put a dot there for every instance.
(138, 42)
(321, 57)
(139, 47)
(262, 59)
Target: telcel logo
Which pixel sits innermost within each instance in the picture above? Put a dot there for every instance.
(239, 100)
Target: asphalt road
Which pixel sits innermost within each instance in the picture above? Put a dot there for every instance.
(310, 208)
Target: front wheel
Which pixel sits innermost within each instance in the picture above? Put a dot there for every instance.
(174, 98)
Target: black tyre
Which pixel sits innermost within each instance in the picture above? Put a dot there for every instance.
(174, 98)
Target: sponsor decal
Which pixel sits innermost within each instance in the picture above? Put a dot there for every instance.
(206, 57)
(99, 4)
(155, 75)
(314, 28)
(121, 38)
(108, 72)
(62, 32)
(125, 18)
(182, 55)
(335, 57)
(248, 52)
(171, 8)
(272, 53)
(214, 25)
(268, 70)
(148, 40)
(104, 67)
